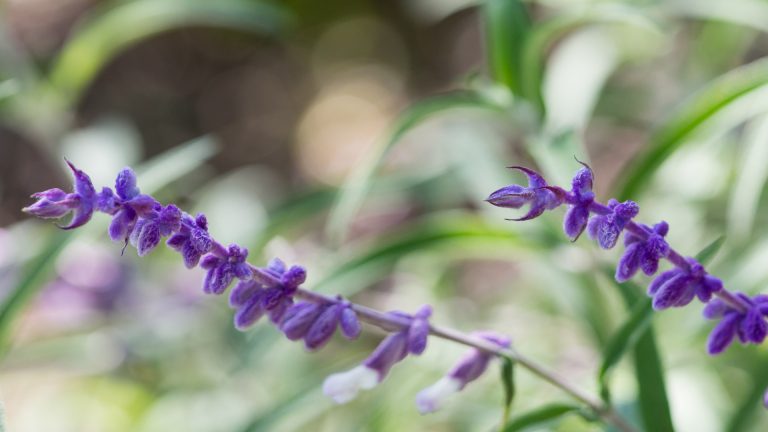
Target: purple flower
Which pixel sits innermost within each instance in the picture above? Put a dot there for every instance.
(270, 291)
(344, 386)
(581, 197)
(540, 196)
(607, 228)
(129, 206)
(469, 368)
(749, 325)
(643, 253)
(55, 203)
(223, 269)
(193, 240)
(678, 287)
(156, 224)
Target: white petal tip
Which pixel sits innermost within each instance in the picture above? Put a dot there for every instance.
(343, 387)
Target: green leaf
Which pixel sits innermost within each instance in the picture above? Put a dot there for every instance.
(624, 339)
(507, 27)
(32, 280)
(508, 382)
(708, 253)
(358, 184)
(541, 415)
(701, 107)
(112, 30)
(649, 372)
(747, 409)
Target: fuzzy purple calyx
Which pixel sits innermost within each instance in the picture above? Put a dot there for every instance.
(748, 325)
(537, 194)
(222, 270)
(580, 198)
(679, 286)
(643, 253)
(607, 228)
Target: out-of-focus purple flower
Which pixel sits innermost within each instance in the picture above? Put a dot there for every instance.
(469, 368)
(269, 291)
(155, 225)
(55, 203)
(222, 270)
(678, 287)
(343, 387)
(643, 254)
(749, 325)
(606, 229)
(540, 196)
(192, 240)
(765, 399)
(581, 197)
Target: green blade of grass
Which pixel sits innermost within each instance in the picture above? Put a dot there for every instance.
(358, 184)
(541, 415)
(107, 33)
(508, 383)
(704, 105)
(507, 26)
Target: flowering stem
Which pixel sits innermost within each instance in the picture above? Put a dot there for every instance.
(392, 323)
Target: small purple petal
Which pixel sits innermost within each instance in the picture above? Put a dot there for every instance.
(297, 325)
(753, 326)
(673, 293)
(122, 224)
(512, 196)
(125, 184)
(322, 329)
(247, 315)
(715, 309)
(660, 280)
(629, 262)
(350, 324)
(390, 351)
(575, 221)
(243, 292)
(723, 334)
(148, 239)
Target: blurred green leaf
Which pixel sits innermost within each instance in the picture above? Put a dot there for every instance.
(358, 184)
(708, 253)
(746, 409)
(106, 34)
(751, 176)
(624, 339)
(649, 372)
(508, 382)
(175, 163)
(538, 416)
(32, 280)
(367, 262)
(507, 27)
(694, 113)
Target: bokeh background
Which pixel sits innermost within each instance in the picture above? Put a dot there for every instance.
(360, 138)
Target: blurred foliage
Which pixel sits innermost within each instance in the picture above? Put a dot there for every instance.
(359, 138)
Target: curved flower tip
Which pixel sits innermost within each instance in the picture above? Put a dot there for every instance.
(344, 386)
(433, 398)
(55, 203)
(537, 194)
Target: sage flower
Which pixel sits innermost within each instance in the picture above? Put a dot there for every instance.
(581, 197)
(223, 269)
(679, 286)
(536, 194)
(748, 325)
(643, 254)
(606, 229)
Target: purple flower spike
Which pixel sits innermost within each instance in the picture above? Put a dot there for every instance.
(222, 270)
(540, 196)
(749, 325)
(55, 203)
(582, 197)
(469, 368)
(193, 240)
(643, 254)
(678, 287)
(607, 228)
(129, 206)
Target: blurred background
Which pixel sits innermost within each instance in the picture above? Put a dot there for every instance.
(360, 138)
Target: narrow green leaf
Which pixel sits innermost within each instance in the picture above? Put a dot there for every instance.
(686, 121)
(508, 382)
(541, 415)
(747, 409)
(649, 372)
(358, 184)
(106, 34)
(32, 280)
(708, 253)
(507, 27)
(624, 339)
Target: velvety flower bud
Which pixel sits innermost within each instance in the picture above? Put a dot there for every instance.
(418, 332)
(643, 254)
(606, 229)
(581, 195)
(678, 287)
(222, 270)
(350, 324)
(540, 196)
(159, 223)
(748, 325)
(193, 240)
(249, 312)
(321, 331)
(106, 201)
(391, 350)
(469, 368)
(125, 184)
(297, 325)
